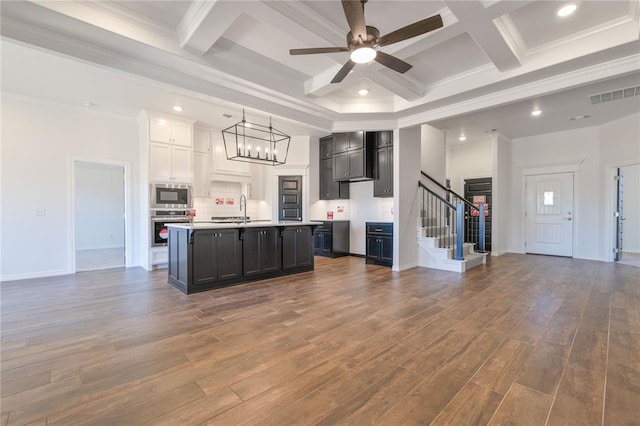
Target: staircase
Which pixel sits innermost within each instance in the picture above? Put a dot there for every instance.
(450, 229)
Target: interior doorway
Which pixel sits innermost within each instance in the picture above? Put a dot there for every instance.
(479, 187)
(290, 198)
(99, 215)
(549, 214)
(627, 215)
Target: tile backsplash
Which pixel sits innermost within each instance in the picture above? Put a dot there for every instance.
(224, 202)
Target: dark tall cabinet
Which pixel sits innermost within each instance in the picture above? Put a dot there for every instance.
(329, 188)
(260, 250)
(352, 155)
(379, 243)
(382, 163)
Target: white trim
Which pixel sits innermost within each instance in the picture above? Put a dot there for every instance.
(31, 275)
(610, 194)
(128, 203)
(511, 36)
(404, 267)
(622, 20)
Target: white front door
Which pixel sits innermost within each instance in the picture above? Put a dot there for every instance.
(549, 214)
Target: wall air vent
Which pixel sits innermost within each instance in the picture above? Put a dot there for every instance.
(615, 95)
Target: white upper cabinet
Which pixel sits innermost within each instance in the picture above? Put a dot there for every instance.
(201, 139)
(170, 131)
(224, 166)
(170, 163)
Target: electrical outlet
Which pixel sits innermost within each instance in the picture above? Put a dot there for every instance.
(38, 212)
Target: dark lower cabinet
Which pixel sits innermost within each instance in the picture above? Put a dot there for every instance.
(260, 251)
(379, 243)
(297, 249)
(204, 259)
(216, 256)
(331, 239)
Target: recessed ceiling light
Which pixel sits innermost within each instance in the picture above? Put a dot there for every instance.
(536, 112)
(177, 108)
(462, 138)
(363, 92)
(566, 10)
(89, 104)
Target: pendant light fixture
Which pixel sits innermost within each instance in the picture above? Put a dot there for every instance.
(255, 143)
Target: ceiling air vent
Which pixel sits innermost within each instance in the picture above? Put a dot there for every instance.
(615, 95)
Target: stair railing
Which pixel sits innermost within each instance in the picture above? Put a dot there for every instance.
(469, 218)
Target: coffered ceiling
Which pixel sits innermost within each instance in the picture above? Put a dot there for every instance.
(489, 53)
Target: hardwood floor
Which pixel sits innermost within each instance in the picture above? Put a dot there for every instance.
(523, 340)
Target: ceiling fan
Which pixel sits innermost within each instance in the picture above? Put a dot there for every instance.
(363, 40)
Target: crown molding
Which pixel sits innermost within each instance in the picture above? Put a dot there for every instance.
(576, 37)
(511, 36)
(115, 10)
(543, 86)
(634, 10)
(190, 22)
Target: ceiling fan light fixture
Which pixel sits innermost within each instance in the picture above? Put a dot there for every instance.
(363, 55)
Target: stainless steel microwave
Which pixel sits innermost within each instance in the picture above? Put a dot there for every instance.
(170, 196)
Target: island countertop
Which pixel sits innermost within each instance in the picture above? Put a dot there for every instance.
(236, 225)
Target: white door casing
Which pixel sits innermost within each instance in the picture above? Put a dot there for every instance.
(549, 214)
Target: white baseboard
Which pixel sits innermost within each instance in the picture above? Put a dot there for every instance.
(498, 253)
(30, 275)
(631, 251)
(406, 266)
(100, 248)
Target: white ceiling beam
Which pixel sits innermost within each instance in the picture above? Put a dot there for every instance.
(294, 17)
(397, 83)
(486, 34)
(204, 23)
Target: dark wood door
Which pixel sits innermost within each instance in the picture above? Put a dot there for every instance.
(481, 187)
(290, 198)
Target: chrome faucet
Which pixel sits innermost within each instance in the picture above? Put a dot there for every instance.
(243, 208)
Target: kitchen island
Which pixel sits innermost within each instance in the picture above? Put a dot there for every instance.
(204, 256)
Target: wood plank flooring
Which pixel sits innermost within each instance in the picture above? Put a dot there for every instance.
(522, 340)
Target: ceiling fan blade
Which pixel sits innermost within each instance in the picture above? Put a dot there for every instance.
(412, 30)
(354, 12)
(343, 71)
(392, 62)
(312, 50)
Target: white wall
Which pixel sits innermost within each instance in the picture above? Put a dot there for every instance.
(594, 151)
(406, 174)
(469, 161)
(619, 146)
(364, 207)
(38, 142)
(501, 183)
(433, 150)
(99, 206)
(631, 209)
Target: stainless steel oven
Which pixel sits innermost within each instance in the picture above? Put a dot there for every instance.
(170, 196)
(159, 219)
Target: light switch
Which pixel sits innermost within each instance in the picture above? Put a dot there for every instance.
(38, 212)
